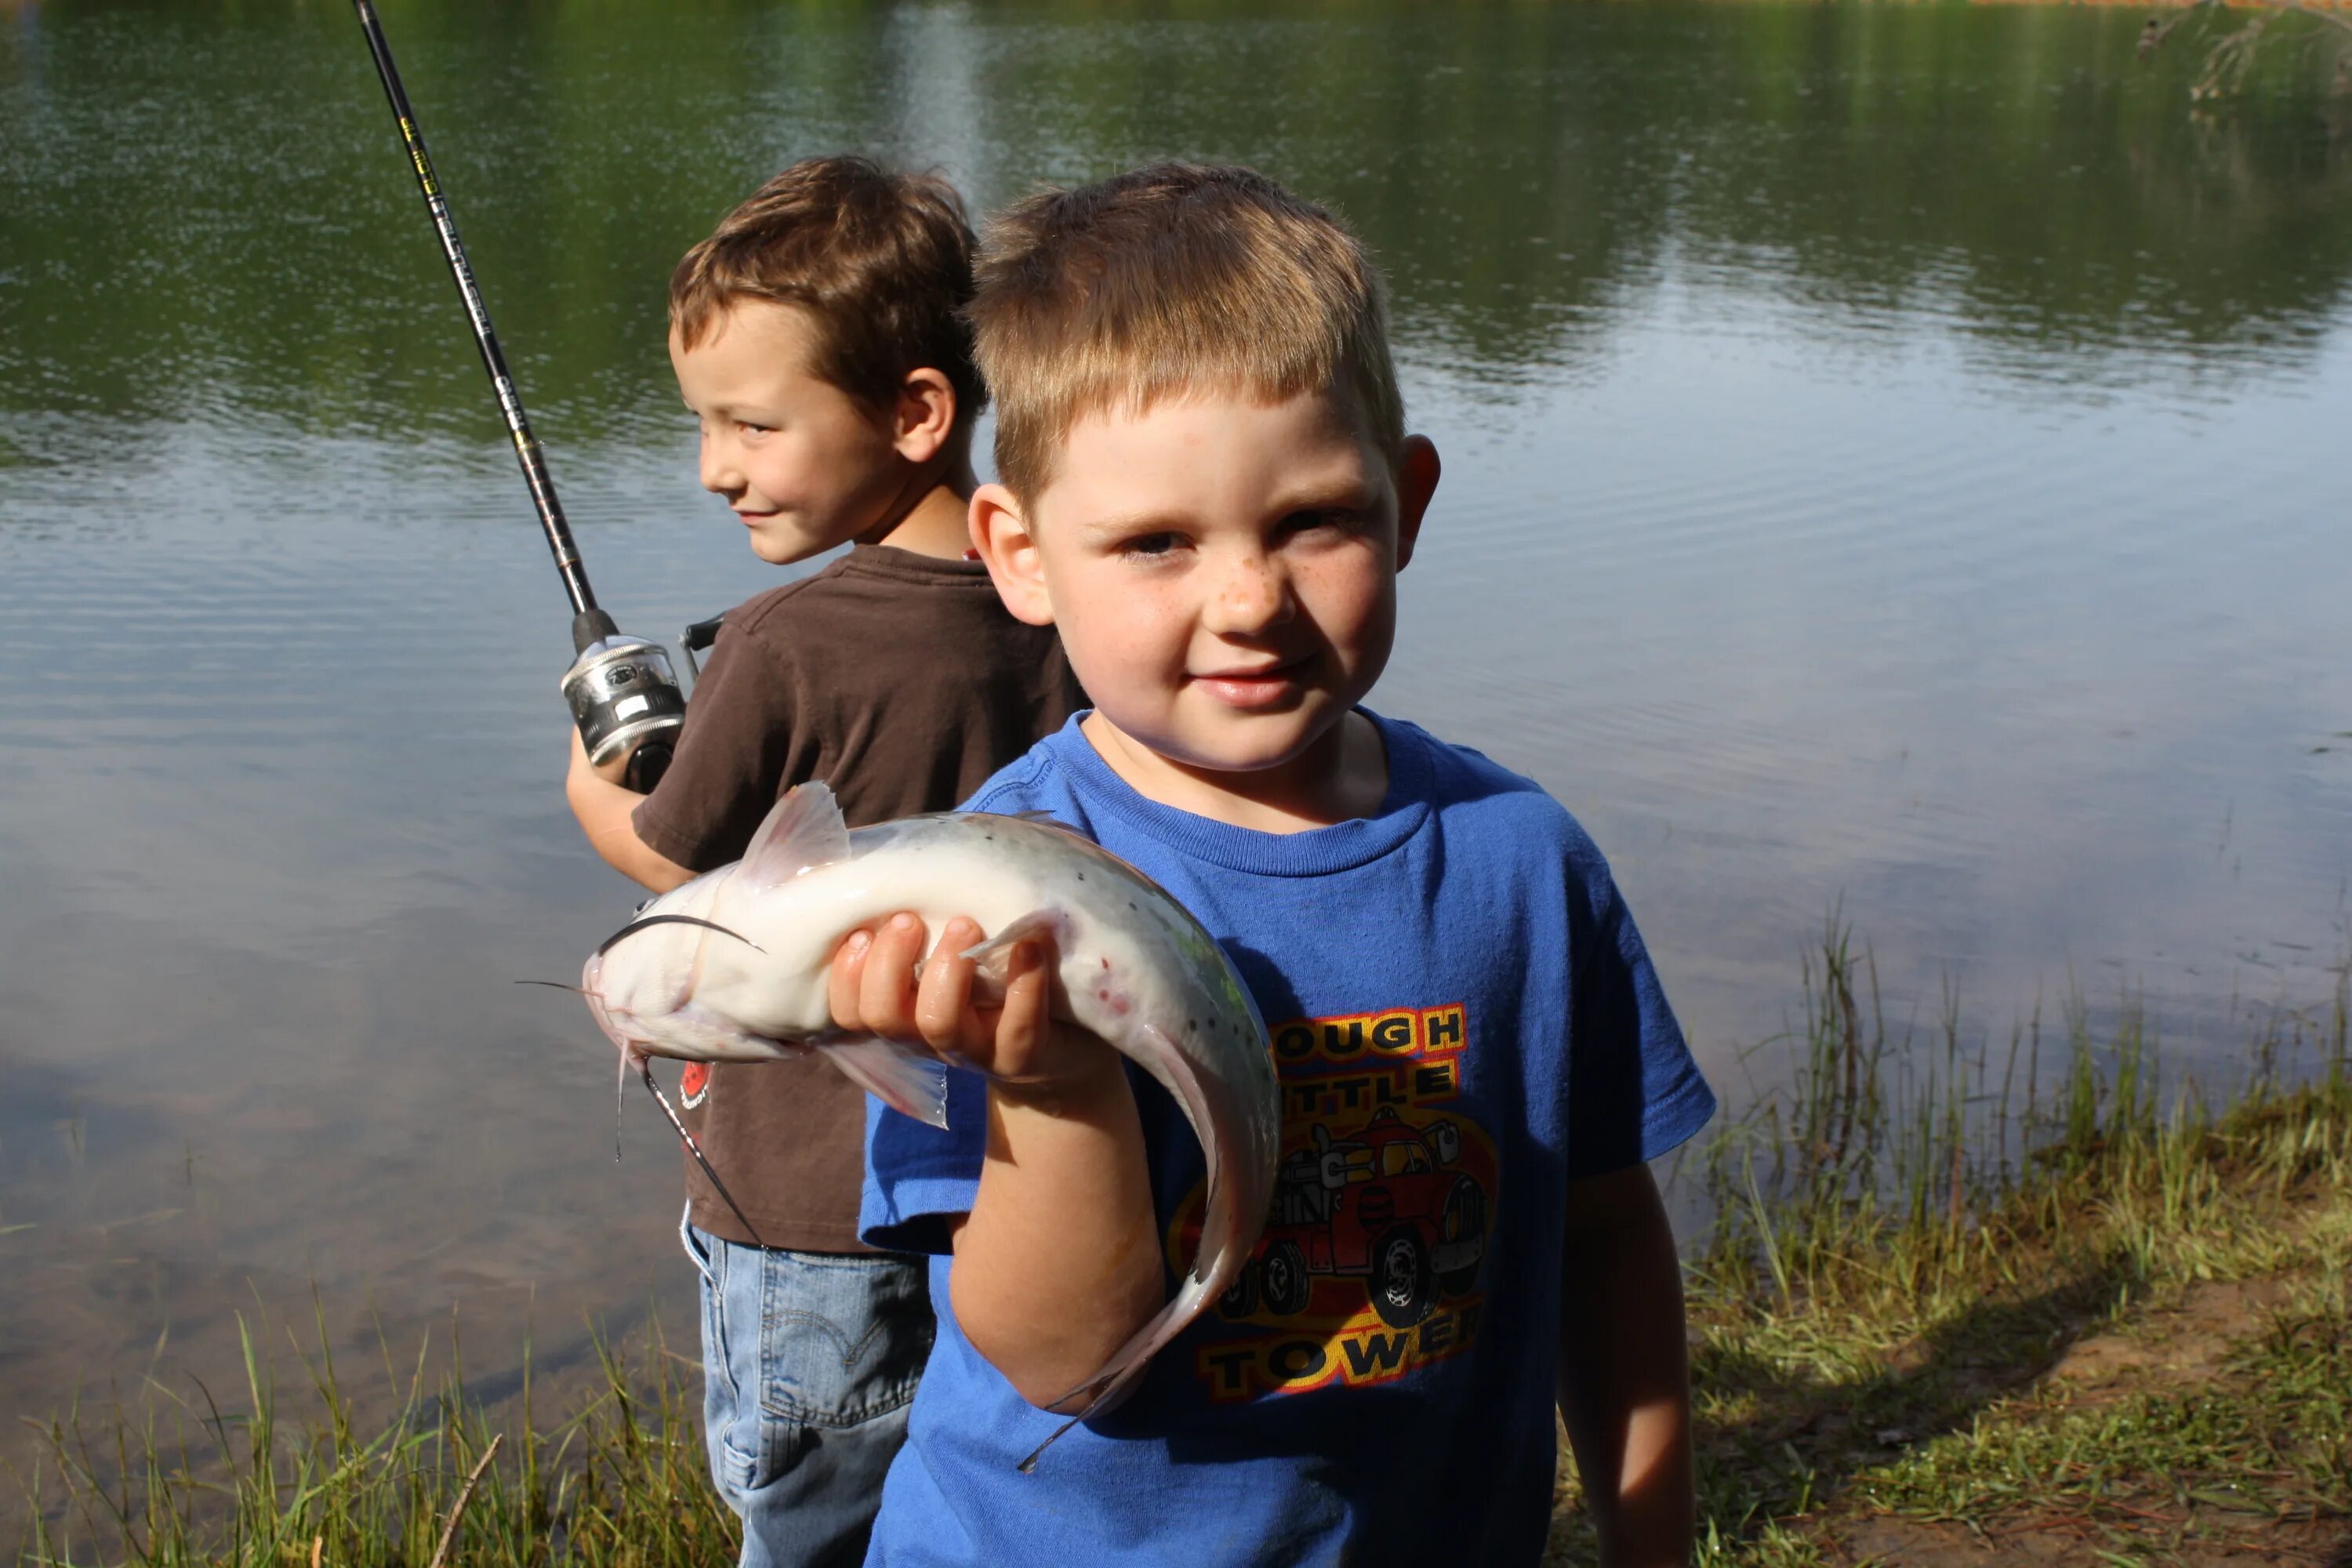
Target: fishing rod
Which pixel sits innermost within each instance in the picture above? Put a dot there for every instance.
(623, 694)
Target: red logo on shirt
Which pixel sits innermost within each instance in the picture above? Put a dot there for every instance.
(694, 1084)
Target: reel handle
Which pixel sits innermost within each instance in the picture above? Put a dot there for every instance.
(646, 765)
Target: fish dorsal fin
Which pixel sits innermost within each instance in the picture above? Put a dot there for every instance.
(802, 830)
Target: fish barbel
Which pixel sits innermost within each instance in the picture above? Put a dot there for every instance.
(733, 965)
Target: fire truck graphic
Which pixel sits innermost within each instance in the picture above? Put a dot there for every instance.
(1387, 1205)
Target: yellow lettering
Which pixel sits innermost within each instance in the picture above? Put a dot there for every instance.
(1364, 1350)
(1395, 1032)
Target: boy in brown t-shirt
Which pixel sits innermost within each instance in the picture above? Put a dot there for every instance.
(817, 337)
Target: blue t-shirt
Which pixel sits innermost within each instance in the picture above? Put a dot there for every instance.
(1464, 1020)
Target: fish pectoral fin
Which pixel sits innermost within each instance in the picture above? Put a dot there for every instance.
(802, 830)
(992, 958)
(909, 1081)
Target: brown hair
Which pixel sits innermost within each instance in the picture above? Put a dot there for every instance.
(1165, 279)
(880, 261)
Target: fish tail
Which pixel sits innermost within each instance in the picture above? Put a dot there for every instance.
(1213, 1270)
(1028, 1467)
(1106, 1389)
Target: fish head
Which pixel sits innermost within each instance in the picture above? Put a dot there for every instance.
(642, 984)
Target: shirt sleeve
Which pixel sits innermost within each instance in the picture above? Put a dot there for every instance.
(919, 1177)
(1633, 1090)
(730, 761)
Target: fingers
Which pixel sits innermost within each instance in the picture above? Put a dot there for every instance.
(943, 1011)
(885, 986)
(842, 981)
(875, 987)
(1025, 996)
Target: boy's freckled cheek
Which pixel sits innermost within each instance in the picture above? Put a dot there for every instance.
(1123, 651)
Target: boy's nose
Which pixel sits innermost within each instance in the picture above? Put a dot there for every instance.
(721, 474)
(1252, 595)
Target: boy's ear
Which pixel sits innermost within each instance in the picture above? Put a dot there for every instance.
(1001, 532)
(1416, 481)
(924, 419)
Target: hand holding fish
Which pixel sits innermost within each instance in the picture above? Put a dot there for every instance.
(876, 989)
(1055, 1268)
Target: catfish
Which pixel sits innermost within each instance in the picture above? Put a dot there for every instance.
(733, 966)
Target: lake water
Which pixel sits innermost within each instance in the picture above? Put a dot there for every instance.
(1893, 462)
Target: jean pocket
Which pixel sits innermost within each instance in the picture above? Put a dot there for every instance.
(842, 1339)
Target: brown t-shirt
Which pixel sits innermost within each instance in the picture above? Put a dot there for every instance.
(900, 681)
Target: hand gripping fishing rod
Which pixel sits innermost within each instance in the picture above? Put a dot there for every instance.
(623, 694)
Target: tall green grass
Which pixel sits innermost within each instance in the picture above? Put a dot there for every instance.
(243, 1482)
(1908, 1237)
(1897, 1163)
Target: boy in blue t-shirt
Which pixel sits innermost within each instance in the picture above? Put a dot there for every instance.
(1208, 490)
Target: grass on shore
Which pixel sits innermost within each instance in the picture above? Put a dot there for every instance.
(1954, 1307)
(620, 1483)
(1950, 1311)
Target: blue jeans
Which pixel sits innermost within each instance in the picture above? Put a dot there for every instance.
(809, 1361)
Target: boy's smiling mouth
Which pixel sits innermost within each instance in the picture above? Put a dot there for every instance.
(1255, 686)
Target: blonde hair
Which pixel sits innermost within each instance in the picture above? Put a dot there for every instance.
(1167, 280)
(880, 261)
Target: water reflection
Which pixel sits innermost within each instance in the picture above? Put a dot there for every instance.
(1890, 457)
(1526, 171)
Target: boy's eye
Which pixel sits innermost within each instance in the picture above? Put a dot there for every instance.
(1149, 544)
(1331, 517)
